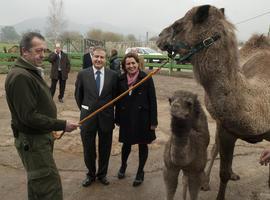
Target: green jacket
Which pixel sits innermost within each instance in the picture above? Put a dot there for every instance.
(32, 108)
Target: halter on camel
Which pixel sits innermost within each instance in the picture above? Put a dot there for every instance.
(172, 49)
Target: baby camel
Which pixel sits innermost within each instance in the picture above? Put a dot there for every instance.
(186, 150)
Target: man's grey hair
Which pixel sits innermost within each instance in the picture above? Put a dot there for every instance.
(99, 48)
(26, 41)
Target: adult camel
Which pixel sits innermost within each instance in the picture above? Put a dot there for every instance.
(238, 99)
(254, 45)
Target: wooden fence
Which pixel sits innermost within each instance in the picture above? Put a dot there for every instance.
(150, 61)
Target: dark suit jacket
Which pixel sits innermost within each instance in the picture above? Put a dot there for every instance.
(135, 113)
(65, 65)
(87, 61)
(86, 96)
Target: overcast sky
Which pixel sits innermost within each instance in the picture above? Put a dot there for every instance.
(153, 15)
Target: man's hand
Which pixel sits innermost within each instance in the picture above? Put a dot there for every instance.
(57, 51)
(71, 126)
(265, 157)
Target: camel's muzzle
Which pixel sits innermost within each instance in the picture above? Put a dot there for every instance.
(177, 47)
(174, 49)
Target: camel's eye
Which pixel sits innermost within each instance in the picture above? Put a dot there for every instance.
(174, 29)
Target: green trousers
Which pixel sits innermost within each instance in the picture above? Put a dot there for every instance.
(36, 153)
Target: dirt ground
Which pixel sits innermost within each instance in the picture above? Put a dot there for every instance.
(68, 155)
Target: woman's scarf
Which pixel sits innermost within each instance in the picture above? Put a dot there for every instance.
(132, 79)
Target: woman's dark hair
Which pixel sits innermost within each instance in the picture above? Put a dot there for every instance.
(26, 41)
(130, 55)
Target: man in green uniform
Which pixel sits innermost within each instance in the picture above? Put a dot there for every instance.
(34, 117)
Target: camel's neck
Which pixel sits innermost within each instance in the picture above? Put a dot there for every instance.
(233, 100)
(218, 63)
(217, 70)
(180, 128)
(181, 148)
(180, 131)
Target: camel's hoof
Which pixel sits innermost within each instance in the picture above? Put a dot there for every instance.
(205, 187)
(234, 177)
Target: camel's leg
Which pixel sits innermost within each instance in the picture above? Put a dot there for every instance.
(227, 143)
(170, 175)
(234, 176)
(194, 183)
(267, 138)
(214, 152)
(269, 177)
(185, 185)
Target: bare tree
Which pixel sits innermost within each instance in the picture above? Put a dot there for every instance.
(98, 34)
(70, 36)
(95, 34)
(56, 20)
(72, 41)
(112, 37)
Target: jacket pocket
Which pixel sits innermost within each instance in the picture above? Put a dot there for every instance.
(38, 158)
(84, 113)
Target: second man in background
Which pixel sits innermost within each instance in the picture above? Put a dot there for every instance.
(59, 71)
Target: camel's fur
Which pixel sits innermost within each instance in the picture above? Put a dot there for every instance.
(238, 99)
(186, 149)
(251, 48)
(254, 45)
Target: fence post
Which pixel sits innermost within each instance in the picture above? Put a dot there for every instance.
(82, 47)
(171, 66)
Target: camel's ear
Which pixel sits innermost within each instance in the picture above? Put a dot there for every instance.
(222, 10)
(201, 14)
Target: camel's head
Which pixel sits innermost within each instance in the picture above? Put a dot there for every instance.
(198, 24)
(185, 106)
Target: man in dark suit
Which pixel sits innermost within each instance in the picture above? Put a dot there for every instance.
(94, 87)
(59, 71)
(87, 58)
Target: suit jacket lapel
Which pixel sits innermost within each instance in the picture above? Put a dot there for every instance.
(106, 81)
